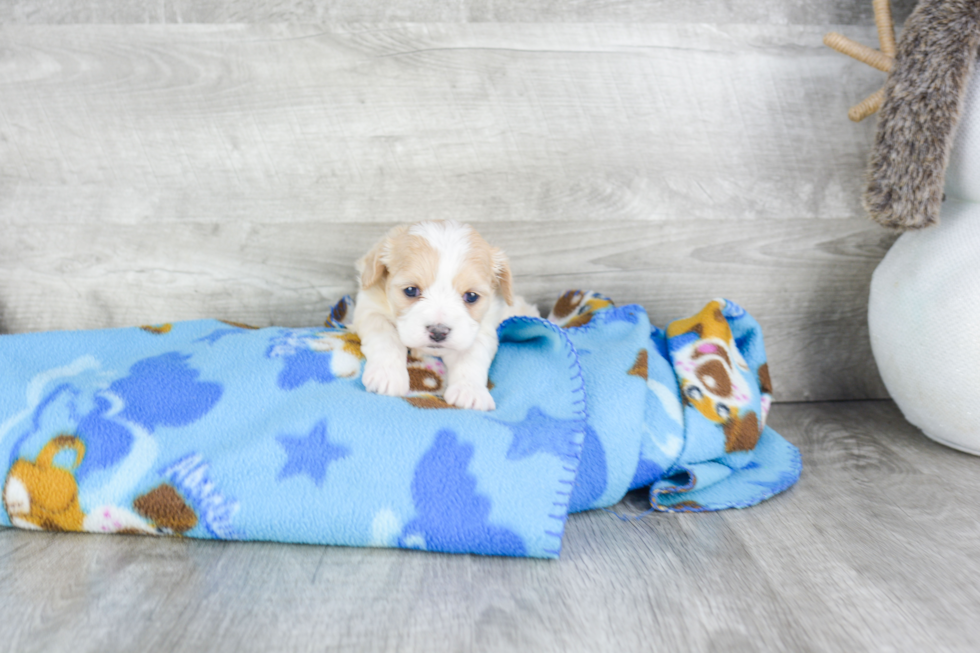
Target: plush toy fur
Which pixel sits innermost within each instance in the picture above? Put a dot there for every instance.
(916, 124)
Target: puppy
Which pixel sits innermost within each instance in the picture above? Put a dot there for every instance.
(437, 288)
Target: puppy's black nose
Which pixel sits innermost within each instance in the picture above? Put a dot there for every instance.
(438, 332)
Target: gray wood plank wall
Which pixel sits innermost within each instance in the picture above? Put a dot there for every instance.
(231, 160)
(850, 12)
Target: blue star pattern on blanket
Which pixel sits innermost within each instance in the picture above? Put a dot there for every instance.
(300, 363)
(303, 366)
(540, 432)
(310, 455)
(315, 355)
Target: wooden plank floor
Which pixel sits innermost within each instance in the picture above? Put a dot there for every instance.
(876, 549)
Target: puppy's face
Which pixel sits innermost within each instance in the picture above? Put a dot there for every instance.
(440, 280)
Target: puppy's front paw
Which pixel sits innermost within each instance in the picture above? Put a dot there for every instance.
(385, 378)
(463, 395)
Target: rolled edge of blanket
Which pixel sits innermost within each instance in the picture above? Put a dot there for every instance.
(706, 499)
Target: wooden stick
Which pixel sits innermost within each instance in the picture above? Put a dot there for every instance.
(860, 52)
(867, 106)
(883, 60)
(886, 26)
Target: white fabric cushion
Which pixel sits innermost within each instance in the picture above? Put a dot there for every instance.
(963, 171)
(924, 320)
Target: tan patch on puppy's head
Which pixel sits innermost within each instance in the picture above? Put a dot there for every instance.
(476, 275)
(501, 271)
(438, 281)
(398, 261)
(373, 266)
(411, 262)
(402, 259)
(486, 271)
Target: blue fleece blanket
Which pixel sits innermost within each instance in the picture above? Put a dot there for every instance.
(217, 430)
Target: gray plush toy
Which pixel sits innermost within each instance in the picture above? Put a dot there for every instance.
(918, 119)
(921, 104)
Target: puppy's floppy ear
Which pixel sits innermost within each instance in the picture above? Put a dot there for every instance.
(371, 266)
(501, 273)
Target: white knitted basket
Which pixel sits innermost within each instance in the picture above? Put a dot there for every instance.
(924, 309)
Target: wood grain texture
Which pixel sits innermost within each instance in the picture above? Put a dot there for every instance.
(487, 122)
(547, 11)
(806, 281)
(875, 549)
(165, 172)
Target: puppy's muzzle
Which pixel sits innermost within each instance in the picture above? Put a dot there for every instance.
(438, 332)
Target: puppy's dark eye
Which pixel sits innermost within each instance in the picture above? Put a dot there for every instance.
(723, 411)
(470, 297)
(694, 392)
(412, 291)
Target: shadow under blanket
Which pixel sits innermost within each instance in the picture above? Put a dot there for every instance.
(218, 430)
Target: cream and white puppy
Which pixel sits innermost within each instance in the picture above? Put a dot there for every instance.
(437, 288)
